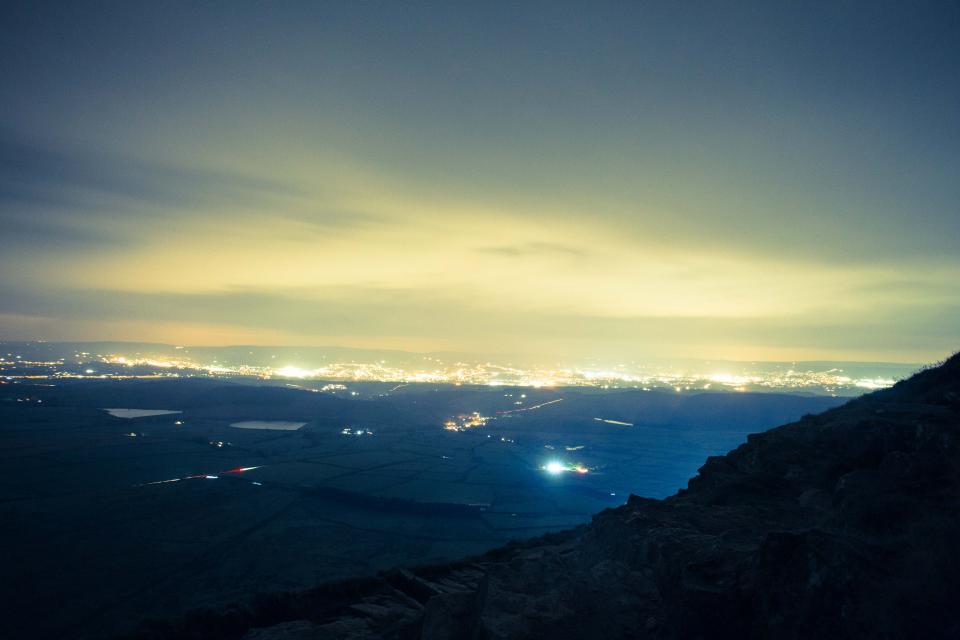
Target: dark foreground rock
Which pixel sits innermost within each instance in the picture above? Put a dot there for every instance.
(842, 525)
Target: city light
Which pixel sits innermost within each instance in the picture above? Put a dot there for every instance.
(464, 422)
(554, 467)
(692, 378)
(293, 372)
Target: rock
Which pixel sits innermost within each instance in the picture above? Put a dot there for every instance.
(452, 615)
(294, 630)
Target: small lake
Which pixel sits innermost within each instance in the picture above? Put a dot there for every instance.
(139, 413)
(275, 425)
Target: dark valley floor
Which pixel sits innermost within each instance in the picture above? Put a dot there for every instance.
(839, 525)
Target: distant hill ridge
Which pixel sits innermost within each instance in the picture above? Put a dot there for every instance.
(841, 525)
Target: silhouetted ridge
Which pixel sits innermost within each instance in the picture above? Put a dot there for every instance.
(936, 385)
(840, 525)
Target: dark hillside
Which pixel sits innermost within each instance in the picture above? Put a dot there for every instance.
(841, 525)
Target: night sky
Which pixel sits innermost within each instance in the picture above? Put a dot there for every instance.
(755, 180)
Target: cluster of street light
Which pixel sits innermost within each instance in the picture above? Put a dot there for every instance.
(691, 377)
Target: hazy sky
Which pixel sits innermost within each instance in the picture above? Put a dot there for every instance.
(763, 180)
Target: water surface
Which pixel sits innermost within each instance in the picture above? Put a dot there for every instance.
(276, 425)
(139, 413)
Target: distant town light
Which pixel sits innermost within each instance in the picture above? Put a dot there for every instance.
(555, 468)
(293, 372)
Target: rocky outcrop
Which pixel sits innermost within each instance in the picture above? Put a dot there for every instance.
(842, 525)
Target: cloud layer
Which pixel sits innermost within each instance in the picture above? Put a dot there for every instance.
(624, 181)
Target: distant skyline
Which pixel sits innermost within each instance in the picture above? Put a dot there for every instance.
(739, 181)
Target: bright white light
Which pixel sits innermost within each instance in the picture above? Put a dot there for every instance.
(555, 468)
(293, 372)
(727, 378)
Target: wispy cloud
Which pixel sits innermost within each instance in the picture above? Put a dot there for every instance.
(535, 250)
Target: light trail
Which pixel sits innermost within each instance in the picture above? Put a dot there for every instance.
(193, 477)
(625, 424)
(536, 406)
(204, 476)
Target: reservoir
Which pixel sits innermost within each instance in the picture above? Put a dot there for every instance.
(276, 425)
(139, 413)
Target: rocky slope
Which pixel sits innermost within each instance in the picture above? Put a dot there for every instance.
(842, 525)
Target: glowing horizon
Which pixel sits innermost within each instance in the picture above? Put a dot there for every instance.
(700, 181)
